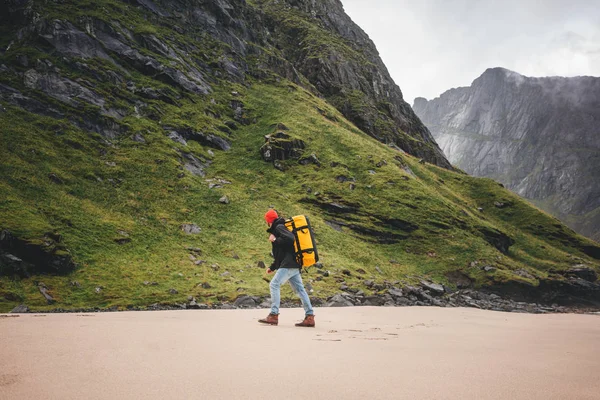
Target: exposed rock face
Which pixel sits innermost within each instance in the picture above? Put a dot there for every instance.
(281, 146)
(350, 74)
(538, 136)
(24, 258)
(314, 44)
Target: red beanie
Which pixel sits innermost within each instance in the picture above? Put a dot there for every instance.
(271, 216)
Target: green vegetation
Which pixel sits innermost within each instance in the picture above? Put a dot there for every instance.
(145, 196)
(303, 35)
(116, 205)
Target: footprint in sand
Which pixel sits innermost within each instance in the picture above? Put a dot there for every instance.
(420, 325)
(359, 334)
(8, 379)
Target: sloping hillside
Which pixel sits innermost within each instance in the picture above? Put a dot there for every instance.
(132, 172)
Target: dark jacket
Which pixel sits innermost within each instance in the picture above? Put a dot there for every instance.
(283, 246)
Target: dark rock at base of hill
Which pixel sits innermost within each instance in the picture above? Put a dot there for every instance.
(583, 272)
(569, 291)
(245, 301)
(339, 301)
(24, 258)
(483, 299)
(20, 309)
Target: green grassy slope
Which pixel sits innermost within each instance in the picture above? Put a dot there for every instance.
(139, 191)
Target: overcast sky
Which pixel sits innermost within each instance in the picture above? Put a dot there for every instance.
(430, 46)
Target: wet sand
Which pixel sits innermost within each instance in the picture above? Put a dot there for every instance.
(353, 353)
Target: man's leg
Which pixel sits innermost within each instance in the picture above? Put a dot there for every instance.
(281, 276)
(298, 287)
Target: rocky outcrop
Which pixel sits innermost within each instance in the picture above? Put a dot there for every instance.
(23, 258)
(538, 136)
(343, 64)
(349, 216)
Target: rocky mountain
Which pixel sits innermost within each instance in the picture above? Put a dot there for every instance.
(538, 136)
(142, 141)
(314, 44)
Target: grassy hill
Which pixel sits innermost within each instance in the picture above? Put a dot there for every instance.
(98, 218)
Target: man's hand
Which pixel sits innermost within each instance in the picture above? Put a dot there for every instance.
(269, 271)
(272, 238)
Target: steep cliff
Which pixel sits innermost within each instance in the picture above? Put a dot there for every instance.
(538, 136)
(312, 43)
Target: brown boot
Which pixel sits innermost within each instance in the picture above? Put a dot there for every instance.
(272, 319)
(309, 322)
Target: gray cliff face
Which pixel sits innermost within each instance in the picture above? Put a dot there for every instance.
(538, 136)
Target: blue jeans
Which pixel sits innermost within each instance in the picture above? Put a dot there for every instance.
(282, 276)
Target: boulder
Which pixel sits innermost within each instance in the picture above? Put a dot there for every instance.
(281, 146)
(339, 301)
(20, 309)
(245, 301)
(190, 229)
(433, 287)
(312, 159)
(374, 301)
(44, 291)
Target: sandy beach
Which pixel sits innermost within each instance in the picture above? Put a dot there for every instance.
(353, 353)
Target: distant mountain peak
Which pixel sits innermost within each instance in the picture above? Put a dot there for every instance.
(527, 133)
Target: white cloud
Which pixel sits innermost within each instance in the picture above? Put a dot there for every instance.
(430, 46)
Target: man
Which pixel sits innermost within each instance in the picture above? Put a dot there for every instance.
(287, 269)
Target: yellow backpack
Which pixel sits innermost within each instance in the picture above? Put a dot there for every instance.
(304, 241)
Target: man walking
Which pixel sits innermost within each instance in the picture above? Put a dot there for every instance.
(286, 269)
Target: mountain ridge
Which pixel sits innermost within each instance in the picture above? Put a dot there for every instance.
(494, 126)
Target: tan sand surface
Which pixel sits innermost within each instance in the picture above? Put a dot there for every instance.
(353, 353)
